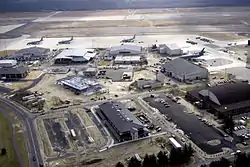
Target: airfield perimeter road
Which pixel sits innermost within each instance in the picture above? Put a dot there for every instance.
(29, 129)
(99, 23)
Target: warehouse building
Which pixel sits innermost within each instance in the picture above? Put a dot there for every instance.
(130, 60)
(13, 73)
(184, 71)
(170, 49)
(121, 122)
(227, 99)
(125, 50)
(8, 63)
(30, 54)
(76, 55)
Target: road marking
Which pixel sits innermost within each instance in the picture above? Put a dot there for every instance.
(33, 143)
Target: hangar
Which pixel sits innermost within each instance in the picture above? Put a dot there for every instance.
(125, 50)
(170, 49)
(182, 70)
(121, 122)
(13, 73)
(228, 99)
(30, 54)
(76, 55)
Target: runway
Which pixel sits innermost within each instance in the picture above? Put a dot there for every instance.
(127, 22)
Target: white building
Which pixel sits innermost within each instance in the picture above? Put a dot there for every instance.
(183, 71)
(125, 59)
(125, 49)
(8, 63)
(77, 55)
(170, 49)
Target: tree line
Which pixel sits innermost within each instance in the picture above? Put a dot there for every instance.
(175, 157)
(241, 160)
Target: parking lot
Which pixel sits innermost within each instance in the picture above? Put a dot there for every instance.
(203, 135)
(56, 135)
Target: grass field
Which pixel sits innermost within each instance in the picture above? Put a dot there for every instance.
(10, 159)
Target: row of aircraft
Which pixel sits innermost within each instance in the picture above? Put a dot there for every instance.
(129, 40)
(60, 42)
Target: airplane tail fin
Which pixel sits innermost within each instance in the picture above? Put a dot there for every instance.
(134, 36)
(202, 51)
(42, 39)
(72, 38)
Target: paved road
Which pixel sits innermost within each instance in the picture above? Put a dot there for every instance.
(30, 132)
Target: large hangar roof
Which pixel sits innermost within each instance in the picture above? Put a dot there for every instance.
(230, 93)
(120, 116)
(181, 67)
(125, 47)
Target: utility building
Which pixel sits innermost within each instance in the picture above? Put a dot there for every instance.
(125, 50)
(183, 71)
(227, 99)
(121, 122)
(30, 54)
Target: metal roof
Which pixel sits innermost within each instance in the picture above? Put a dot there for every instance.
(181, 66)
(76, 52)
(33, 50)
(127, 58)
(120, 117)
(231, 93)
(125, 47)
(17, 70)
(78, 83)
(173, 46)
(13, 62)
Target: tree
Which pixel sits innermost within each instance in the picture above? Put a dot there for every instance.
(223, 162)
(162, 159)
(119, 164)
(134, 162)
(3, 151)
(149, 161)
(228, 123)
(241, 160)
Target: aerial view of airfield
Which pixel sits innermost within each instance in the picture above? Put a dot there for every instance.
(125, 83)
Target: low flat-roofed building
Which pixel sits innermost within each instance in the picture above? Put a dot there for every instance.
(227, 99)
(148, 84)
(76, 55)
(30, 54)
(125, 49)
(8, 63)
(182, 70)
(80, 84)
(13, 73)
(121, 122)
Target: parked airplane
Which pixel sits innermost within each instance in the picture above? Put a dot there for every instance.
(35, 42)
(66, 41)
(194, 55)
(128, 40)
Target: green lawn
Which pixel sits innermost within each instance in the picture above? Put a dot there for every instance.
(10, 159)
